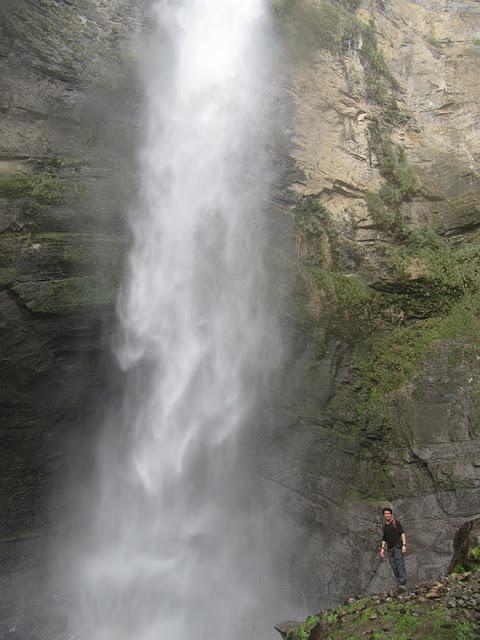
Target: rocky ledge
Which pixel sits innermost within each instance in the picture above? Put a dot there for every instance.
(446, 609)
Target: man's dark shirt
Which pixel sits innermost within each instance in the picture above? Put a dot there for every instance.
(392, 534)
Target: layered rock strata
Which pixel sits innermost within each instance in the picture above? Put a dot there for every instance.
(382, 402)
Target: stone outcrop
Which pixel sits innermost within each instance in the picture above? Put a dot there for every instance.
(446, 609)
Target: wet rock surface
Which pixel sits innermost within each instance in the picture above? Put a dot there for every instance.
(68, 113)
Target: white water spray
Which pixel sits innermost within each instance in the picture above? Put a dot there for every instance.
(179, 546)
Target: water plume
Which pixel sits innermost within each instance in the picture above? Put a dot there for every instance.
(179, 543)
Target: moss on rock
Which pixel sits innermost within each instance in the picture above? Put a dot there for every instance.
(43, 188)
(310, 24)
(67, 295)
(427, 295)
(316, 236)
(43, 256)
(302, 632)
(379, 81)
(441, 610)
(400, 185)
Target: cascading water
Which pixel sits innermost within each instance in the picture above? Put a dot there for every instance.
(179, 544)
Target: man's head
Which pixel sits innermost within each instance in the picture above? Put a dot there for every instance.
(387, 513)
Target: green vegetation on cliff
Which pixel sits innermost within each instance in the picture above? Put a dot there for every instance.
(41, 185)
(428, 294)
(43, 188)
(394, 621)
(66, 295)
(57, 273)
(471, 562)
(401, 183)
(442, 610)
(302, 632)
(315, 233)
(400, 180)
(41, 256)
(309, 25)
(379, 80)
(383, 295)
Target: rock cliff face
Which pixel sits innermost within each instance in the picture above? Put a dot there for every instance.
(384, 375)
(67, 126)
(381, 401)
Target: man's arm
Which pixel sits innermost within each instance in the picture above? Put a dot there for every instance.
(384, 544)
(403, 537)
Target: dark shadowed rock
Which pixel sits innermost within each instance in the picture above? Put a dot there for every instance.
(284, 628)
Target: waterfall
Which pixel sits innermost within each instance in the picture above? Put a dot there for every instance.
(178, 542)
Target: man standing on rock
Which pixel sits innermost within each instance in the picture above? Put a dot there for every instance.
(395, 542)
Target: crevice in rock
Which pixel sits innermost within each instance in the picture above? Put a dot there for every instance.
(17, 299)
(345, 189)
(422, 463)
(453, 232)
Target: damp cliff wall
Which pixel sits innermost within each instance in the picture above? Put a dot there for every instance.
(382, 393)
(377, 195)
(68, 122)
